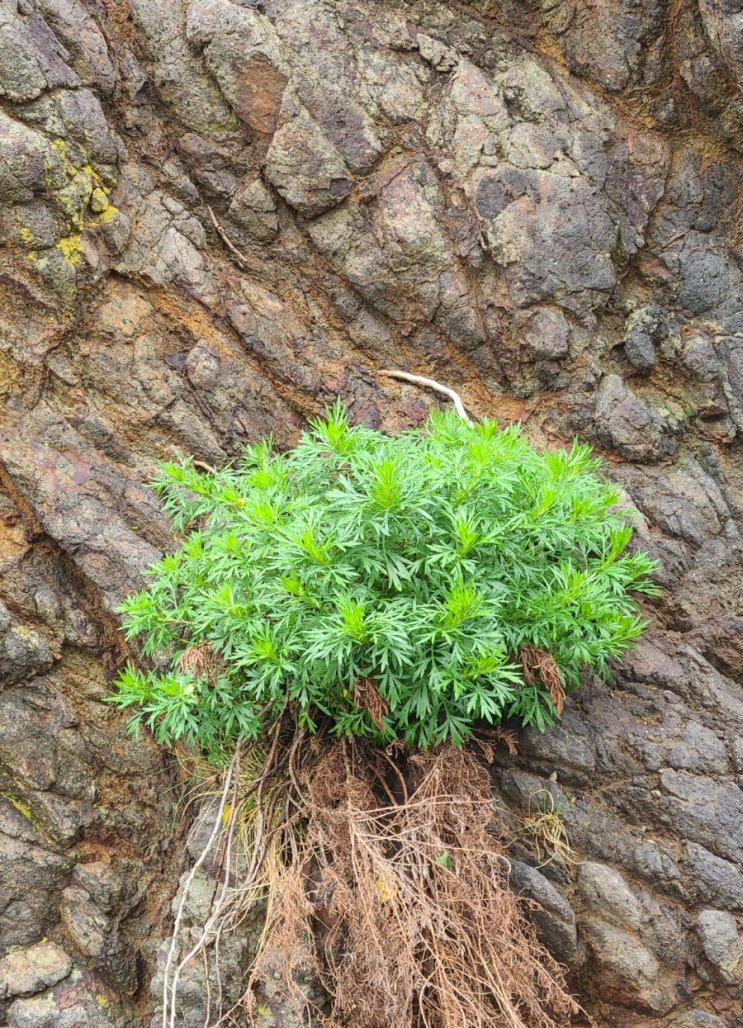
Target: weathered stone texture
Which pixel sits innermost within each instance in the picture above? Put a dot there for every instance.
(217, 216)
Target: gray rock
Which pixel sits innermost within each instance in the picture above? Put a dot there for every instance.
(573, 222)
(609, 895)
(697, 1019)
(86, 925)
(37, 754)
(629, 426)
(699, 750)
(715, 880)
(31, 58)
(305, 168)
(649, 329)
(614, 56)
(655, 864)
(640, 351)
(555, 918)
(103, 885)
(35, 225)
(166, 245)
(567, 748)
(243, 52)
(632, 974)
(520, 787)
(23, 653)
(696, 749)
(116, 230)
(75, 1002)
(254, 209)
(202, 367)
(25, 156)
(31, 874)
(699, 358)
(732, 379)
(722, 23)
(22, 78)
(703, 274)
(25, 971)
(77, 115)
(84, 41)
(684, 501)
(546, 334)
(181, 81)
(718, 933)
(97, 936)
(339, 104)
(704, 811)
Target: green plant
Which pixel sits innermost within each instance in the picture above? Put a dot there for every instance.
(546, 826)
(397, 587)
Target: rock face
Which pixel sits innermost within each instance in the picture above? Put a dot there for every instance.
(217, 216)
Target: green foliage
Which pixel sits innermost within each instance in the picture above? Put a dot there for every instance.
(386, 584)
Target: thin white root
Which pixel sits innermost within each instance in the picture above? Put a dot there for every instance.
(170, 990)
(431, 384)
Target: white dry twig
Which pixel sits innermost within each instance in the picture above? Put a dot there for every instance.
(431, 384)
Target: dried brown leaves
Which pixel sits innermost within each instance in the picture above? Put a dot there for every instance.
(540, 666)
(366, 694)
(202, 662)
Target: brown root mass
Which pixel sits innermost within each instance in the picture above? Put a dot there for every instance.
(401, 907)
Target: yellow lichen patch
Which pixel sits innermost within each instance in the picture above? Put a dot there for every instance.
(108, 214)
(58, 265)
(84, 187)
(75, 197)
(20, 806)
(27, 637)
(70, 168)
(61, 147)
(98, 201)
(71, 248)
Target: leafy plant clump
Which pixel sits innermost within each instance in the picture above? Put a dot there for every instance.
(393, 588)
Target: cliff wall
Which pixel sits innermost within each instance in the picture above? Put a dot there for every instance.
(217, 216)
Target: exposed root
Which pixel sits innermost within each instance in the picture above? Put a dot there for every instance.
(380, 878)
(170, 982)
(432, 384)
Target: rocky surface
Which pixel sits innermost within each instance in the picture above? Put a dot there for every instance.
(217, 216)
